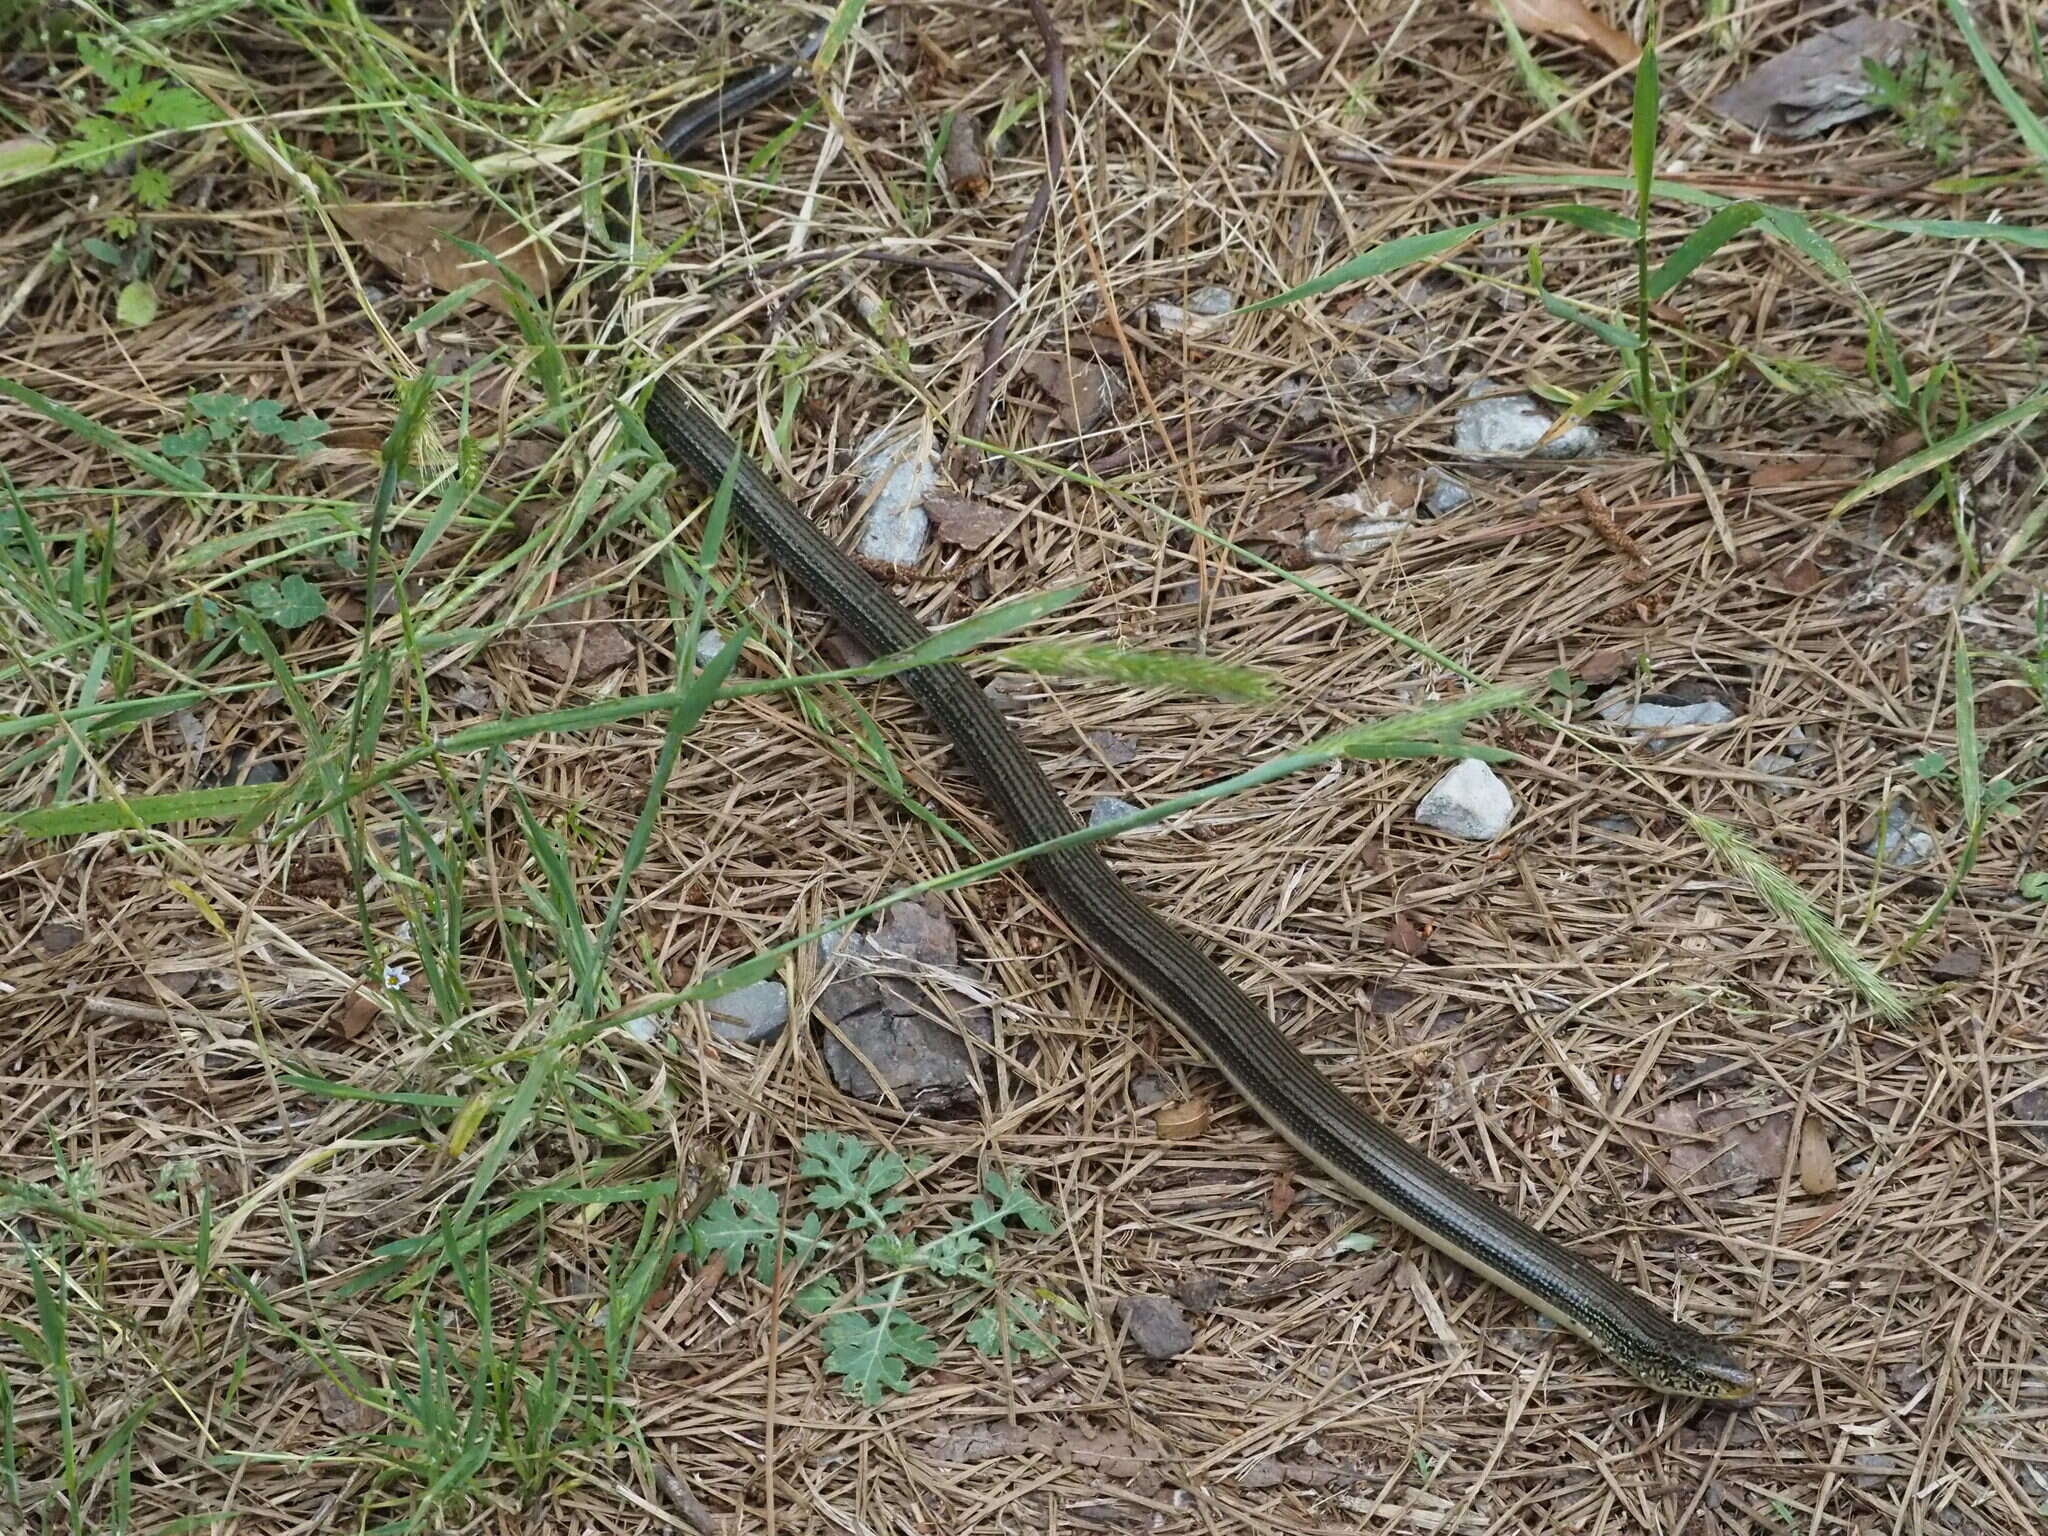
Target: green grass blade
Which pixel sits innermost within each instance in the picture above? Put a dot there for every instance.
(1642, 129)
(1935, 455)
(990, 624)
(221, 802)
(1390, 256)
(103, 438)
(2032, 131)
(1784, 896)
(1725, 225)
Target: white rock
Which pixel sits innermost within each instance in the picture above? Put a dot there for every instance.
(896, 469)
(1646, 715)
(1469, 802)
(752, 1015)
(1445, 495)
(1352, 526)
(1514, 425)
(1786, 762)
(1108, 808)
(709, 643)
(650, 1027)
(1208, 309)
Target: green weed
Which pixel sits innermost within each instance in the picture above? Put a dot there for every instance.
(872, 1342)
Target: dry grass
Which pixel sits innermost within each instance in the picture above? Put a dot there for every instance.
(1606, 1028)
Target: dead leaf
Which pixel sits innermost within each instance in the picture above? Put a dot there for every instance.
(1959, 964)
(1083, 390)
(1729, 1149)
(1818, 84)
(1185, 1121)
(580, 642)
(1903, 446)
(1575, 22)
(1281, 1200)
(1408, 936)
(413, 243)
(962, 521)
(357, 1014)
(344, 1412)
(1798, 577)
(1792, 473)
(1116, 750)
(1603, 667)
(1816, 1158)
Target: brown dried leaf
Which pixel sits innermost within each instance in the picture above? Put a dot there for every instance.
(963, 521)
(1184, 1121)
(579, 643)
(1798, 577)
(412, 242)
(1792, 473)
(1408, 936)
(966, 164)
(357, 1014)
(1281, 1200)
(1575, 22)
(1603, 667)
(1083, 390)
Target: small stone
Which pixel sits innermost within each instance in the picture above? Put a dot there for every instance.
(1352, 526)
(895, 468)
(752, 1015)
(1109, 808)
(1149, 1088)
(1654, 714)
(1156, 1325)
(1469, 802)
(1200, 1293)
(1207, 309)
(2029, 1113)
(709, 643)
(1901, 841)
(1513, 425)
(1116, 750)
(650, 1027)
(1444, 495)
(1621, 826)
(906, 1022)
(1785, 762)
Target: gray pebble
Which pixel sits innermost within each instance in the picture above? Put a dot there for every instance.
(1901, 841)
(1444, 495)
(896, 468)
(1108, 808)
(752, 1015)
